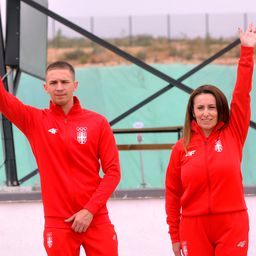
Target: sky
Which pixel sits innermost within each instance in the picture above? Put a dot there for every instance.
(79, 8)
(135, 7)
(80, 11)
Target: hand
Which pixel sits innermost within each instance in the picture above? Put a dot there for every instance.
(176, 249)
(81, 220)
(248, 38)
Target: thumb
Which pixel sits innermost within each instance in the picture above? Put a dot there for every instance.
(70, 219)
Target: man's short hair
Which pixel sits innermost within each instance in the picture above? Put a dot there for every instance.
(61, 65)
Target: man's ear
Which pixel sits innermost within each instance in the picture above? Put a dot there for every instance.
(45, 87)
(75, 85)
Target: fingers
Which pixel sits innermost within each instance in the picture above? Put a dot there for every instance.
(81, 221)
(249, 28)
(79, 228)
(240, 31)
(176, 249)
(70, 219)
(248, 37)
(177, 253)
(80, 225)
(76, 226)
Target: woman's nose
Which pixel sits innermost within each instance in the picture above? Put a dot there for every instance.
(206, 112)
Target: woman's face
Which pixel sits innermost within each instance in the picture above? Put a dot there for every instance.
(205, 112)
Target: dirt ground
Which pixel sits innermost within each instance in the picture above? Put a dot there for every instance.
(84, 57)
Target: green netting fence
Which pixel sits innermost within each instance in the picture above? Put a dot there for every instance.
(112, 91)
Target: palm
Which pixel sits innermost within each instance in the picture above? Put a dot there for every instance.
(248, 37)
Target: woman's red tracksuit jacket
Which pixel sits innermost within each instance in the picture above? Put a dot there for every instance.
(67, 149)
(207, 180)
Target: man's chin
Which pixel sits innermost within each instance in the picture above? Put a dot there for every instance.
(60, 102)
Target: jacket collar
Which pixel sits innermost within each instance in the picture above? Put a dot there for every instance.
(58, 110)
(197, 129)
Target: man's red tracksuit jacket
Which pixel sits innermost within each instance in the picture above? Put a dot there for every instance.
(207, 179)
(67, 149)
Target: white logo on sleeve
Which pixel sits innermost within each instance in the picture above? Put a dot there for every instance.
(241, 244)
(190, 153)
(218, 146)
(81, 135)
(53, 130)
(49, 239)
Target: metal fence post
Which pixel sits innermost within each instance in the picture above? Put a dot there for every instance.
(10, 161)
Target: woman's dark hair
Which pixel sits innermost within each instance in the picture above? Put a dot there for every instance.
(221, 104)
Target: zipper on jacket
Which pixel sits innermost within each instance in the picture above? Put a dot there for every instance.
(67, 142)
(67, 138)
(208, 176)
(68, 159)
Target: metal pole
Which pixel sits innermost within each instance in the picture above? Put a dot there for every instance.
(245, 21)
(169, 27)
(92, 24)
(92, 29)
(10, 161)
(143, 182)
(130, 30)
(207, 33)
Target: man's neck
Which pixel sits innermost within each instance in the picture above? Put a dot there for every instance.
(66, 108)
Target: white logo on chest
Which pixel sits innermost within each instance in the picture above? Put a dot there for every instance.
(218, 146)
(190, 153)
(81, 134)
(53, 130)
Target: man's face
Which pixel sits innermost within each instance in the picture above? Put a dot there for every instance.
(60, 85)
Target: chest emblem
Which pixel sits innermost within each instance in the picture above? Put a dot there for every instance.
(190, 153)
(53, 130)
(81, 135)
(218, 146)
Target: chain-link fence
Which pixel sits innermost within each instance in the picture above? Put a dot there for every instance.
(171, 26)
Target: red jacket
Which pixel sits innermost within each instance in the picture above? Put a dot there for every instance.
(69, 150)
(207, 179)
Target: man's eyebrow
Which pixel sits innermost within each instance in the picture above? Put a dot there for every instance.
(53, 81)
(61, 80)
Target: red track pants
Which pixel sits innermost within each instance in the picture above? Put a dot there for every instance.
(98, 240)
(215, 235)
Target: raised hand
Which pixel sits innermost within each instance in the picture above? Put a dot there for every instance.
(248, 37)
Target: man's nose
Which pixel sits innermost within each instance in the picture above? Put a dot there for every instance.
(59, 86)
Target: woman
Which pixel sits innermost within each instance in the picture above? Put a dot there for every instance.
(205, 206)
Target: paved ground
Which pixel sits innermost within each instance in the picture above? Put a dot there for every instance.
(140, 225)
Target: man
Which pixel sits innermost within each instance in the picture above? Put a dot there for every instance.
(70, 145)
